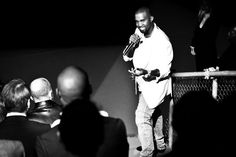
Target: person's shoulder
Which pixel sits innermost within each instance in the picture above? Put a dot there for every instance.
(38, 126)
(114, 122)
(113, 119)
(160, 34)
(51, 134)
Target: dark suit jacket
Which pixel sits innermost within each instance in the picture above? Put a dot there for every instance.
(204, 41)
(49, 145)
(44, 112)
(21, 129)
(115, 139)
(227, 60)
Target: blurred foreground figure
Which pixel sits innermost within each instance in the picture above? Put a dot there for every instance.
(198, 123)
(227, 60)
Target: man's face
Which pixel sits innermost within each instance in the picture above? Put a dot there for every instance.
(143, 22)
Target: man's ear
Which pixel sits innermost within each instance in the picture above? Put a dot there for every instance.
(151, 18)
(51, 94)
(28, 104)
(58, 92)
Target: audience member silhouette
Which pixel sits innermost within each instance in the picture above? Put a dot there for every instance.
(228, 121)
(9, 148)
(73, 84)
(115, 142)
(203, 43)
(44, 109)
(227, 60)
(85, 138)
(16, 126)
(197, 122)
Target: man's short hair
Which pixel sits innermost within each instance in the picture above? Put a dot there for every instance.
(15, 96)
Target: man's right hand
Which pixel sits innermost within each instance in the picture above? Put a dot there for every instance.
(134, 38)
(137, 72)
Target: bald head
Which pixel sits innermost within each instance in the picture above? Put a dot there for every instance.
(73, 83)
(41, 90)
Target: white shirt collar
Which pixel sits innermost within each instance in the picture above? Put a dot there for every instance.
(15, 114)
(55, 123)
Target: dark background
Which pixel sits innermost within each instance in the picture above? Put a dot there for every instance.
(92, 22)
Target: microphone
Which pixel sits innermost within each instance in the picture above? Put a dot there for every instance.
(130, 46)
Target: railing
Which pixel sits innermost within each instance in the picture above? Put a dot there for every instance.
(219, 84)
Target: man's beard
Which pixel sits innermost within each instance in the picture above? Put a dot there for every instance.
(144, 30)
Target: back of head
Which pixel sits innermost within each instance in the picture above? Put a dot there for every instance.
(41, 90)
(73, 83)
(193, 107)
(195, 121)
(228, 120)
(15, 96)
(81, 122)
